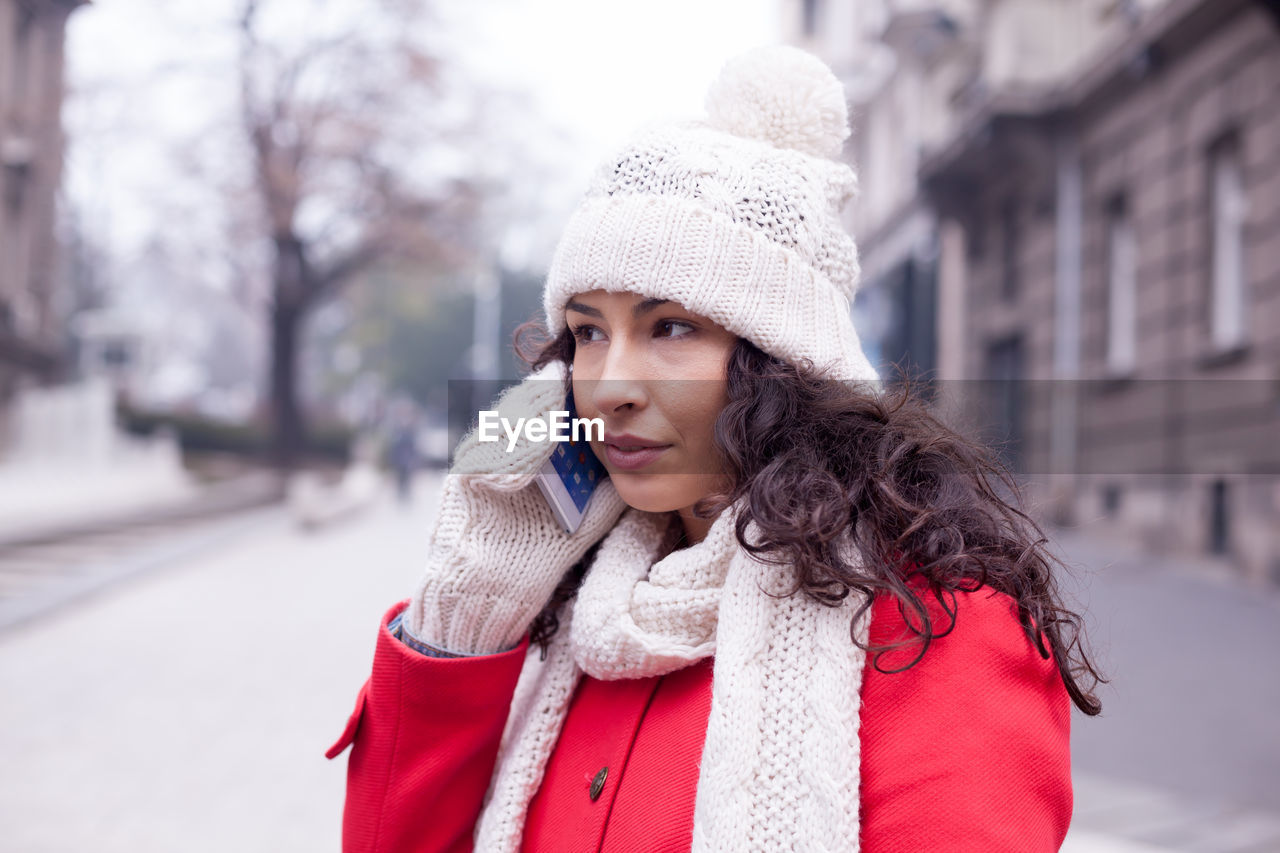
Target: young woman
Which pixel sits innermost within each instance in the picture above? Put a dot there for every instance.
(797, 614)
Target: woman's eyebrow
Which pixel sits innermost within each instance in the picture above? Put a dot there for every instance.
(641, 308)
(583, 309)
(648, 305)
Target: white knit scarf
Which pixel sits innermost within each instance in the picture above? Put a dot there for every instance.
(780, 764)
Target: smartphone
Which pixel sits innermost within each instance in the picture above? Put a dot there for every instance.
(568, 479)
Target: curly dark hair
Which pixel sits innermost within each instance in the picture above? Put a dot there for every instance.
(819, 460)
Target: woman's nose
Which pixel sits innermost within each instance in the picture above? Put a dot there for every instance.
(621, 380)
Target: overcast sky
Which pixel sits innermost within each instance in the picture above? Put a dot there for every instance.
(598, 69)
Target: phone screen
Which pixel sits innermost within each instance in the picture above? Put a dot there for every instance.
(576, 465)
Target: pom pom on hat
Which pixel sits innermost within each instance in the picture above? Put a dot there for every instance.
(781, 95)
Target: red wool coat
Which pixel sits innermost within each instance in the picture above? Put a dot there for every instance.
(968, 750)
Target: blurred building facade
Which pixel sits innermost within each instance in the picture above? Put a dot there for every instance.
(166, 340)
(31, 88)
(1070, 213)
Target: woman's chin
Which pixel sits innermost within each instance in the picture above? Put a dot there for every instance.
(646, 496)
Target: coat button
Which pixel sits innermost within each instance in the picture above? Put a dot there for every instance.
(597, 784)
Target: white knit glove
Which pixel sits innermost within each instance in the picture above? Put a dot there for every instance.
(496, 552)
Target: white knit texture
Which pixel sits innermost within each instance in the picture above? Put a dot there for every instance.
(784, 96)
(496, 551)
(736, 217)
(638, 616)
(780, 764)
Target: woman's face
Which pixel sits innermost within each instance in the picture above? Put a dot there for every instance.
(655, 373)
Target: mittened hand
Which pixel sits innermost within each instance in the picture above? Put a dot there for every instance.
(508, 465)
(496, 552)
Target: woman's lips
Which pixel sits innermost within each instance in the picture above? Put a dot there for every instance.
(630, 460)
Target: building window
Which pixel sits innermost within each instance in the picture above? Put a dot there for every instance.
(1004, 370)
(20, 65)
(1122, 300)
(975, 243)
(1219, 518)
(810, 13)
(1009, 250)
(1227, 298)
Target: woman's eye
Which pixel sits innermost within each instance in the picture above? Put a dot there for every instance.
(666, 325)
(583, 333)
(587, 334)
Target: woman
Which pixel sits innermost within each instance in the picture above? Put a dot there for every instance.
(796, 615)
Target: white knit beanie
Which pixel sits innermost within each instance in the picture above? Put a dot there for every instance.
(736, 216)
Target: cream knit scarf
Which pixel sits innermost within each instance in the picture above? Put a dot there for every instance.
(780, 764)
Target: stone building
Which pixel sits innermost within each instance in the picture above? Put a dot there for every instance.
(31, 85)
(1090, 193)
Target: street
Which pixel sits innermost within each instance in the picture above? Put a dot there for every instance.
(1186, 753)
(188, 708)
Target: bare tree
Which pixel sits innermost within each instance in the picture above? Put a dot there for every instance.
(336, 117)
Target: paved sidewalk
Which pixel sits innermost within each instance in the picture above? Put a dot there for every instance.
(189, 709)
(55, 495)
(1192, 707)
(1116, 815)
(1186, 753)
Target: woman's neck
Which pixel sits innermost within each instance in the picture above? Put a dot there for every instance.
(695, 529)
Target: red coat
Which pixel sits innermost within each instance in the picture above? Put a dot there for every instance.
(968, 750)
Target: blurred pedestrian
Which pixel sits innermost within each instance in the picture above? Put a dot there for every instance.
(795, 616)
(403, 452)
